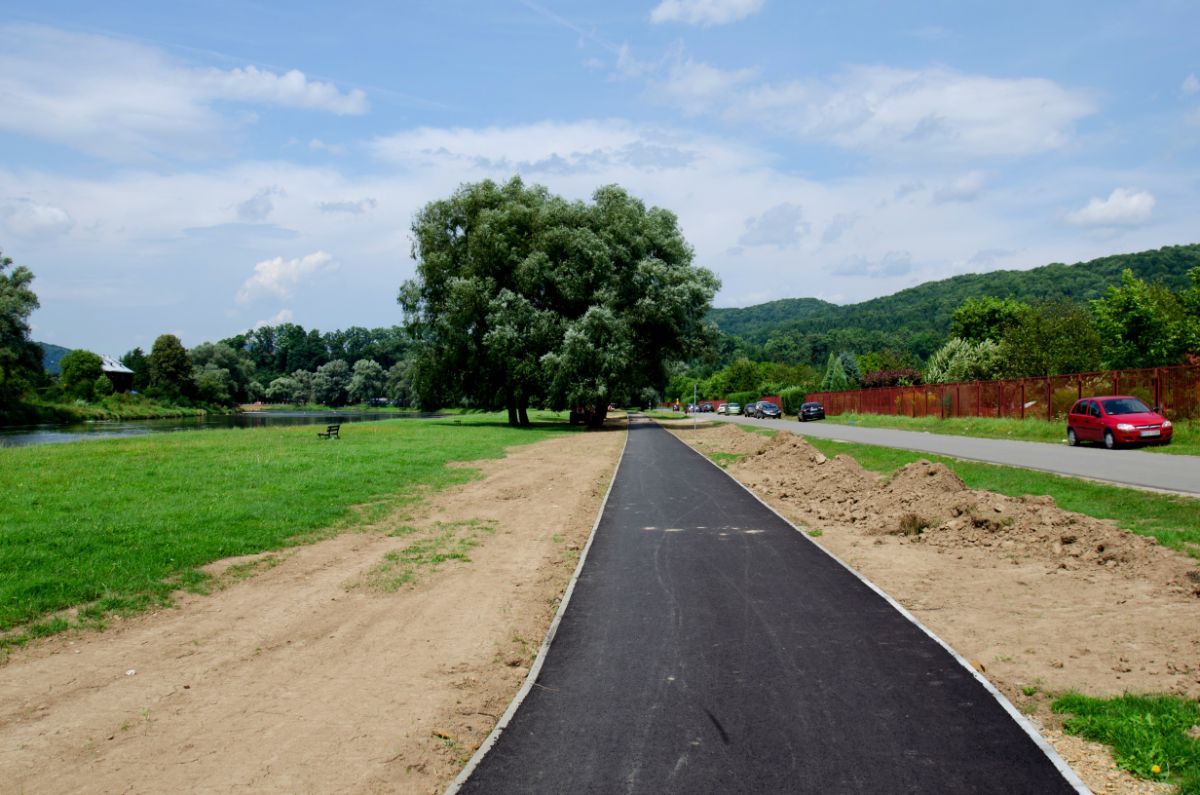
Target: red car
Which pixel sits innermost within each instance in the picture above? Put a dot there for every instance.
(1114, 420)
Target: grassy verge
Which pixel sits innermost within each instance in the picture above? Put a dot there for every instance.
(116, 525)
(357, 408)
(1186, 440)
(116, 407)
(1173, 520)
(1148, 734)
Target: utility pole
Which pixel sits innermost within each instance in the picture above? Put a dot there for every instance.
(695, 406)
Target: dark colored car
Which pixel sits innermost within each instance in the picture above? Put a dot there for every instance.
(1116, 419)
(766, 410)
(811, 411)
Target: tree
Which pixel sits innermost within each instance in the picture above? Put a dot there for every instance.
(850, 367)
(283, 390)
(20, 358)
(214, 385)
(835, 379)
(366, 381)
(964, 360)
(1051, 338)
(236, 364)
(985, 318)
(136, 360)
(513, 285)
(79, 371)
(330, 382)
(399, 390)
(1141, 325)
(170, 368)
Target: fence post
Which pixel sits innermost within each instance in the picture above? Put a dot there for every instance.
(1049, 399)
(978, 398)
(1022, 398)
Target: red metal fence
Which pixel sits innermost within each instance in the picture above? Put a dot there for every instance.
(1175, 389)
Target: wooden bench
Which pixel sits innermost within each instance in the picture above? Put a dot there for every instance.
(330, 432)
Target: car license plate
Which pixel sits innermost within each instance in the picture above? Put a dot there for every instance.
(1150, 433)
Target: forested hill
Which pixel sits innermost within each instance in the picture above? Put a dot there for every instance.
(918, 318)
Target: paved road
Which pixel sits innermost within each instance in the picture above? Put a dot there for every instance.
(1128, 466)
(711, 648)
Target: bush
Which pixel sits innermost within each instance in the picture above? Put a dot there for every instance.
(742, 398)
(791, 398)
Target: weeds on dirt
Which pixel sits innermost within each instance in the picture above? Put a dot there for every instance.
(725, 459)
(1149, 735)
(911, 524)
(447, 541)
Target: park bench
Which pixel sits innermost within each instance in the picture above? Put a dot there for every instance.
(330, 432)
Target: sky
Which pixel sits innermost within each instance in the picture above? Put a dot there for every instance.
(201, 168)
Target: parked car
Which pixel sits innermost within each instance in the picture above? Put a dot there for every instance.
(748, 409)
(731, 409)
(767, 410)
(811, 411)
(1116, 419)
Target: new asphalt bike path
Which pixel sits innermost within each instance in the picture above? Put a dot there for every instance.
(709, 647)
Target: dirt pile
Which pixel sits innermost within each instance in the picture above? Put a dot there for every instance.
(927, 503)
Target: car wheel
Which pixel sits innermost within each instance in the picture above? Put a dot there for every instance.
(1110, 441)
(1072, 439)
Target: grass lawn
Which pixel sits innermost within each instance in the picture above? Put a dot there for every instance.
(1186, 440)
(116, 525)
(1173, 520)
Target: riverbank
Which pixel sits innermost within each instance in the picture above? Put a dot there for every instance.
(115, 407)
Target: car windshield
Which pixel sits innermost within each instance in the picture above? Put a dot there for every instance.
(1124, 406)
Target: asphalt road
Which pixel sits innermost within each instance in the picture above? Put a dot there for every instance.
(709, 647)
(1130, 467)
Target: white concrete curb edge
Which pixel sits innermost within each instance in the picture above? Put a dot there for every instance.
(536, 668)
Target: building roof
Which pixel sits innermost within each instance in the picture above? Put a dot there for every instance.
(111, 365)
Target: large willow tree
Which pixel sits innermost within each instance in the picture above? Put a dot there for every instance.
(523, 298)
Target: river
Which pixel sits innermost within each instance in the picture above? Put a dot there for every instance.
(20, 436)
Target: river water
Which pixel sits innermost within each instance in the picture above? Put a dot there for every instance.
(20, 436)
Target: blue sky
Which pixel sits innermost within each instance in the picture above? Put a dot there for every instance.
(200, 168)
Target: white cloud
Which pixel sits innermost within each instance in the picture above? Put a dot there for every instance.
(260, 205)
(28, 218)
(1191, 84)
(781, 226)
(128, 101)
(1123, 207)
(937, 111)
(964, 188)
(697, 88)
(280, 277)
(890, 265)
(704, 12)
(282, 316)
(352, 207)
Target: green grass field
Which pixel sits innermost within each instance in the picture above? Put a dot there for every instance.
(1186, 440)
(116, 525)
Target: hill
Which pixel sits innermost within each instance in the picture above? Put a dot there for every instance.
(51, 356)
(918, 318)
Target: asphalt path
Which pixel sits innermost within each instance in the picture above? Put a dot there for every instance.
(709, 646)
(1131, 467)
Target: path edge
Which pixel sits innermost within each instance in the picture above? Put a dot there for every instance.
(536, 668)
(1026, 725)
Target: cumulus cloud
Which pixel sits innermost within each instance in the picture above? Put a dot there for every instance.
(892, 264)
(282, 316)
(881, 109)
(781, 226)
(964, 188)
(538, 149)
(260, 205)
(30, 219)
(280, 277)
(1123, 207)
(353, 208)
(129, 101)
(704, 12)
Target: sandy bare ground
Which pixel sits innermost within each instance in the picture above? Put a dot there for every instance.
(1037, 597)
(308, 676)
